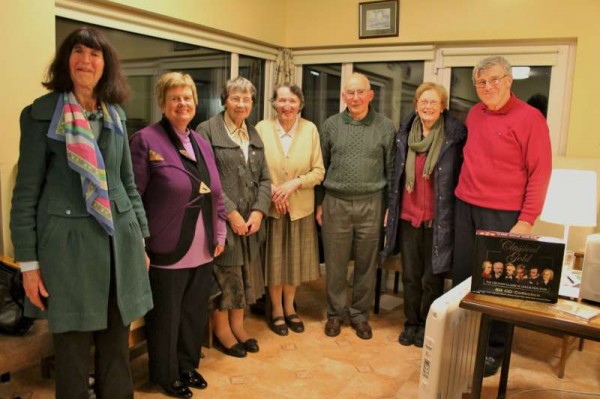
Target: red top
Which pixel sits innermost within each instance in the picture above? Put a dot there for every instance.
(507, 159)
(419, 206)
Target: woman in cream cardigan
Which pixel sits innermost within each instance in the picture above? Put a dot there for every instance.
(293, 153)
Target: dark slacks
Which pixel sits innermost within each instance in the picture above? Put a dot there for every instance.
(112, 372)
(469, 219)
(176, 324)
(421, 286)
(351, 227)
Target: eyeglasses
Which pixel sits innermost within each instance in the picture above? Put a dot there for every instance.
(430, 103)
(240, 100)
(480, 84)
(360, 92)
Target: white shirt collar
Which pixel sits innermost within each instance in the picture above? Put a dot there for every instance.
(281, 131)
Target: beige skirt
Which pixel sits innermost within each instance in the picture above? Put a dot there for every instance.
(292, 253)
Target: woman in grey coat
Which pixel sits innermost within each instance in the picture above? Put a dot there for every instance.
(246, 185)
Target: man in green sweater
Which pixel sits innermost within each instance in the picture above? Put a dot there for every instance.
(357, 146)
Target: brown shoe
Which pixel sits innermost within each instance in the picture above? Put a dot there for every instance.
(333, 326)
(363, 329)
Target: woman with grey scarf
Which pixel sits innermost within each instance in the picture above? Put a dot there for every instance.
(421, 203)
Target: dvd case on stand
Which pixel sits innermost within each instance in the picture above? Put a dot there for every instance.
(517, 266)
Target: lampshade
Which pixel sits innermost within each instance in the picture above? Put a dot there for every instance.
(571, 198)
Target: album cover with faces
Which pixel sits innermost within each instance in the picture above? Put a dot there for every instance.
(517, 266)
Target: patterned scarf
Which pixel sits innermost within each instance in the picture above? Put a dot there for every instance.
(70, 125)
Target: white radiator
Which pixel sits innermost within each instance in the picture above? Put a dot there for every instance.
(450, 345)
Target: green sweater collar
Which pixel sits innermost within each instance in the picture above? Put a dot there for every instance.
(366, 121)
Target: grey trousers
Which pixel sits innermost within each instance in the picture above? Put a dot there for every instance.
(351, 228)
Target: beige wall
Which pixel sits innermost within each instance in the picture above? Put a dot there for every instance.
(29, 45)
(258, 20)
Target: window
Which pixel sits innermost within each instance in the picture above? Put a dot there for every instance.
(532, 87)
(209, 79)
(321, 85)
(253, 69)
(145, 58)
(551, 70)
(394, 84)
(550, 74)
(139, 109)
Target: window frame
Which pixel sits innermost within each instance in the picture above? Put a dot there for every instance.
(348, 56)
(130, 20)
(560, 57)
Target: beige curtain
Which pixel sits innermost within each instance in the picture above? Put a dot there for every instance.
(284, 67)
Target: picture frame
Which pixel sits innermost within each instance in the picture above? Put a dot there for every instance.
(378, 19)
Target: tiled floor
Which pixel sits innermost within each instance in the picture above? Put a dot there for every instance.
(312, 365)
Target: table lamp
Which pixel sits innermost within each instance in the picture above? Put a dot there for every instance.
(571, 199)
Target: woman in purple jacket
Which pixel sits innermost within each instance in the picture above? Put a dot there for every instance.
(177, 178)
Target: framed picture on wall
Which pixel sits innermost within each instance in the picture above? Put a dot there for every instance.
(378, 19)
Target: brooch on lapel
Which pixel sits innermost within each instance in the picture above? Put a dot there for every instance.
(204, 189)
(154, 156)
(186, 154)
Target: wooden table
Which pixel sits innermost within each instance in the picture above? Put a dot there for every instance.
(537, 316)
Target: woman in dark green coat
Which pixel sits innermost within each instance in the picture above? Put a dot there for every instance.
(77, 220)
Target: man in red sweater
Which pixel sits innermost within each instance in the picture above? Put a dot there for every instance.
(504, 177)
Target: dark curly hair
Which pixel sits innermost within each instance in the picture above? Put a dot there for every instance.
(112, 86)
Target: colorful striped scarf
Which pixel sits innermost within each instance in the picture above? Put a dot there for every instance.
(70, 125)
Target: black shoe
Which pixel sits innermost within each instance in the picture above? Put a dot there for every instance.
(333, 326)
(295, 326)
(420, 337)
(491, 366)
(363, 329)
(408, 335)
(279, 329)
(251, 345)
(178, 389)
(193, 379)
(236, 350)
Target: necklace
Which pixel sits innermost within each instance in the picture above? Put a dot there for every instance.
(93, 115)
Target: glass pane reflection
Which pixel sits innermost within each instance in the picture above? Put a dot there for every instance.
(321, 85)
(209, 80)
(394, 84)
(253, 69)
